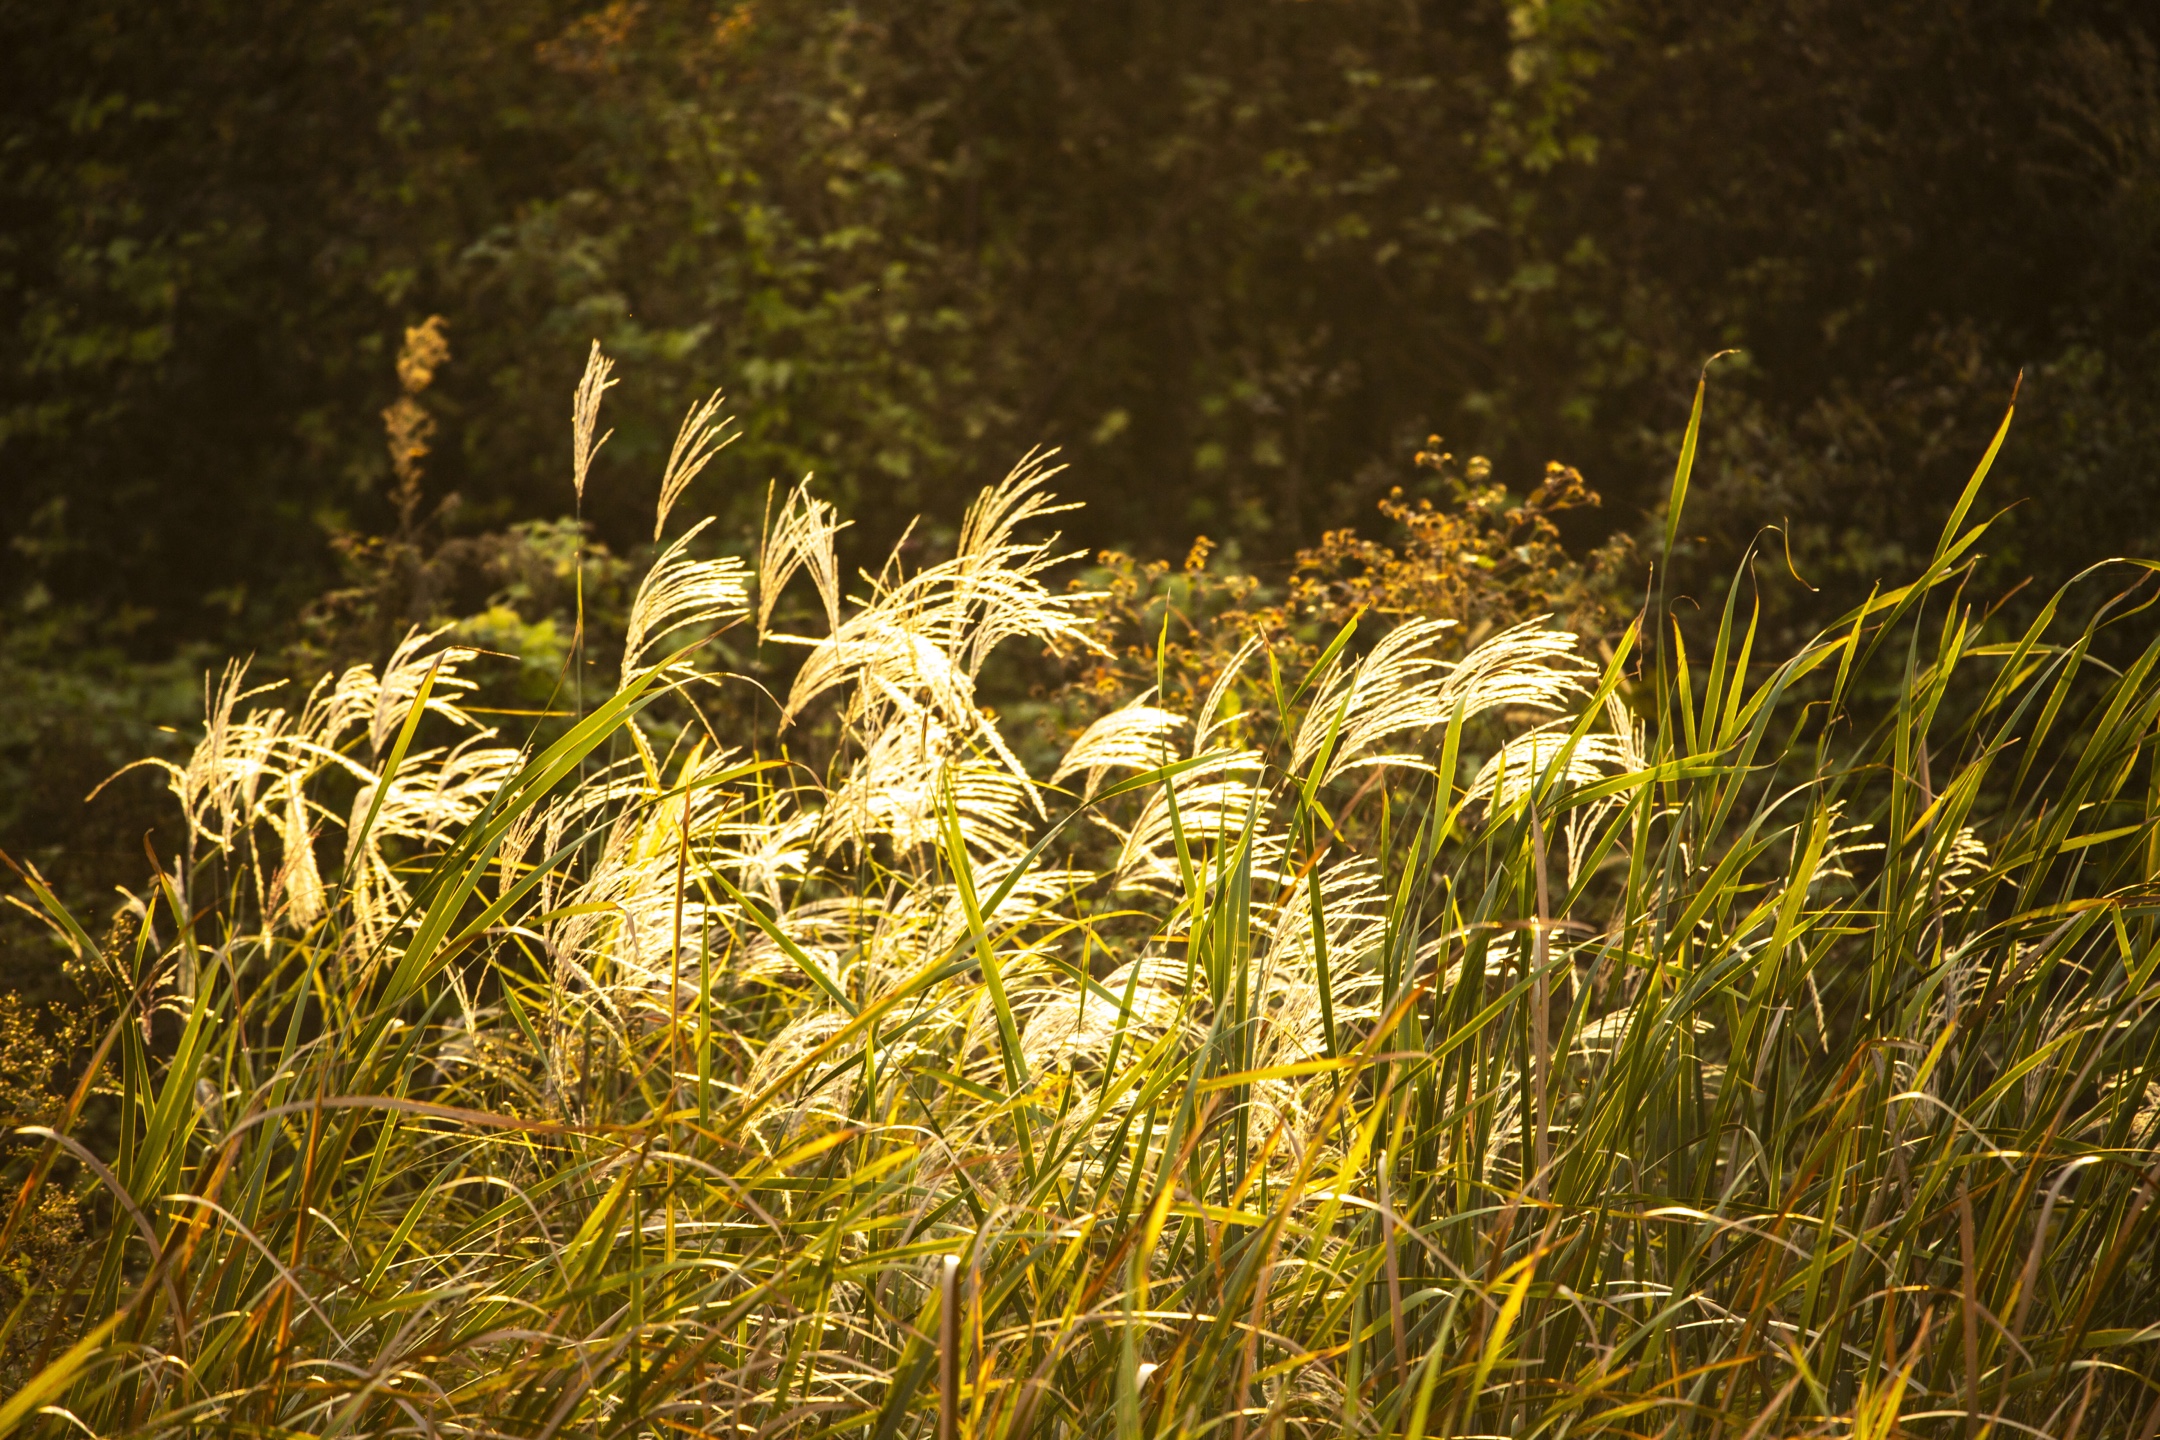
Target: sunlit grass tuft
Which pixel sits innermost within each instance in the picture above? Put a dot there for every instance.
(1667, 1047)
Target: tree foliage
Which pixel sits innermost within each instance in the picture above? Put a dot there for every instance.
(1244, 257)
(1240, 262)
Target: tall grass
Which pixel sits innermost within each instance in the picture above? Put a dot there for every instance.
(1696, 1044)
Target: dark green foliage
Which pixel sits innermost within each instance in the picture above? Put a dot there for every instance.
(1239, 260)
(1242, 259)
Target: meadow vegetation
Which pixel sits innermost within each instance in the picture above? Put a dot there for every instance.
(1129, 1000)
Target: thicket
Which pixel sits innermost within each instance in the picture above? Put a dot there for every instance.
(1238, 261)
(1133, 1002)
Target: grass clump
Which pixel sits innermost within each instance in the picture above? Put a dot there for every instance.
(1407, 1037)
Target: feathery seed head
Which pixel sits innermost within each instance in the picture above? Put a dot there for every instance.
(585, 417)
(703, 435)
